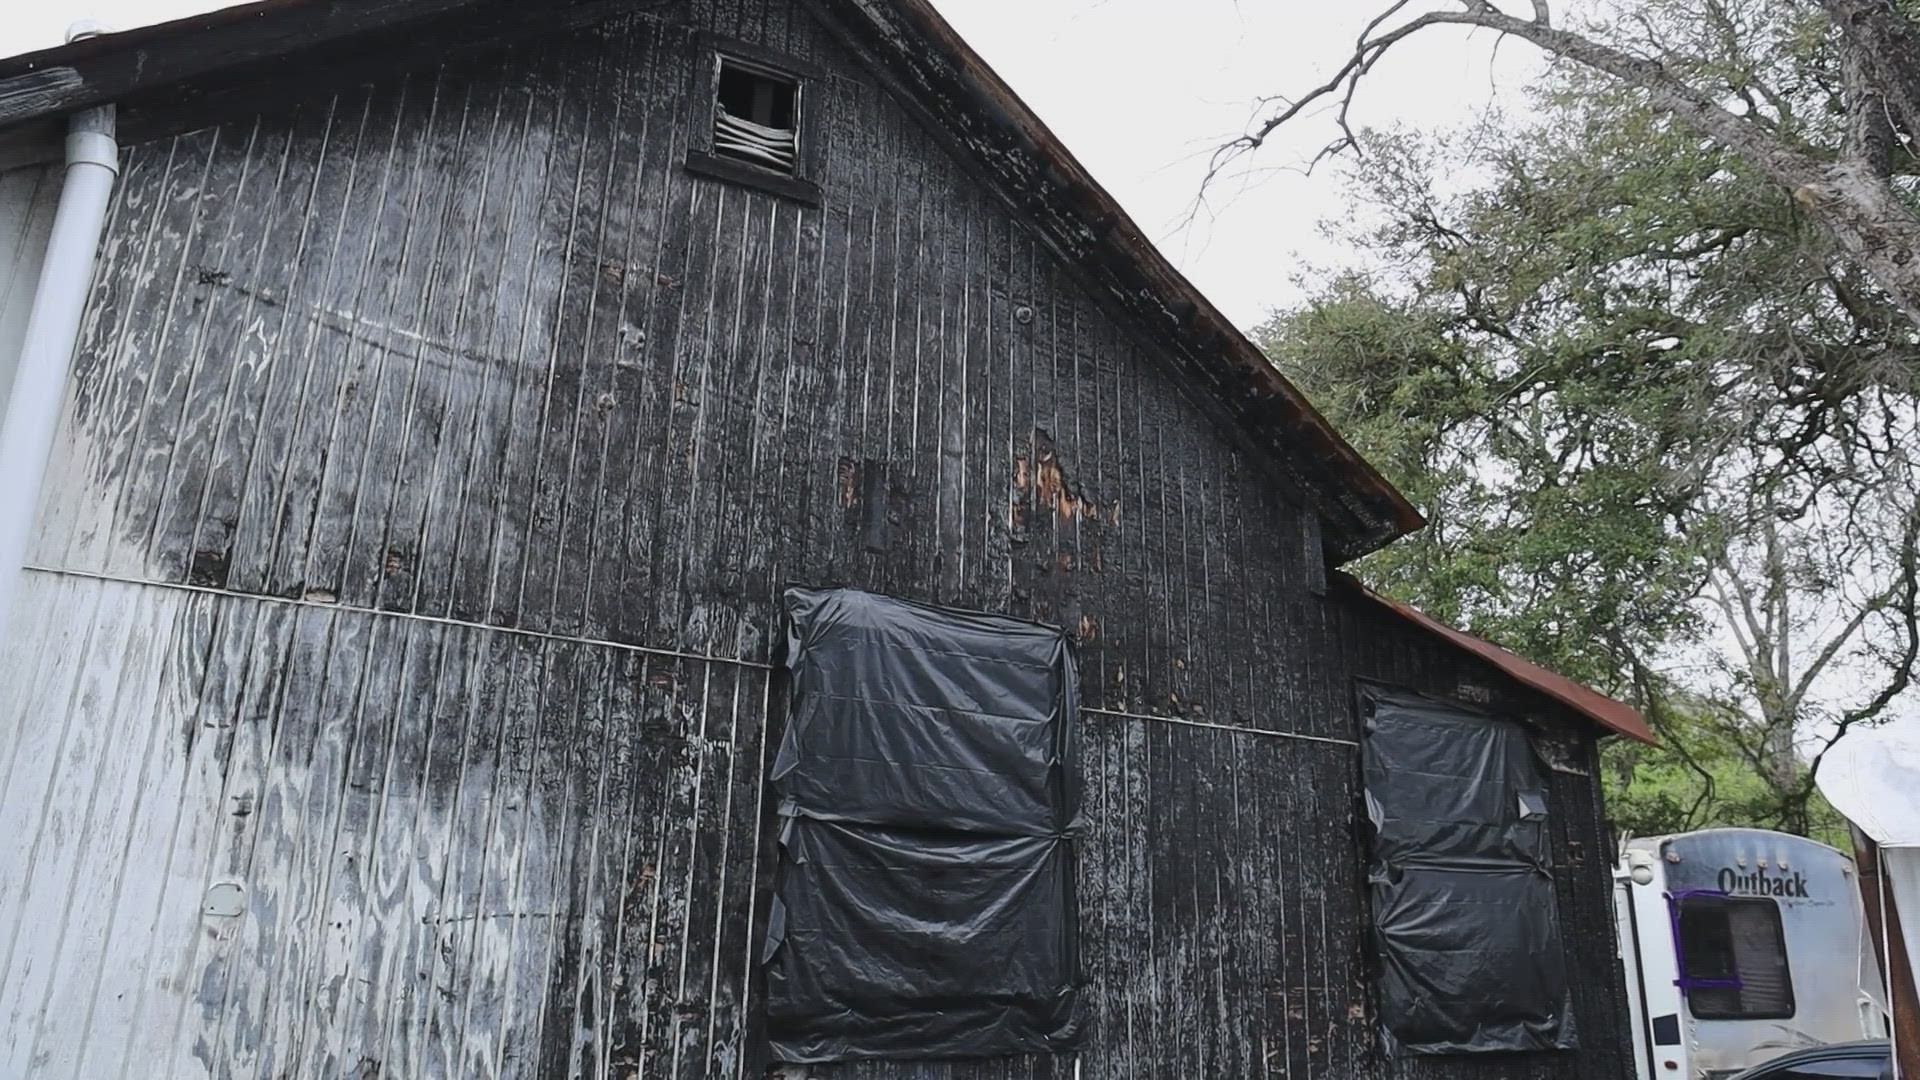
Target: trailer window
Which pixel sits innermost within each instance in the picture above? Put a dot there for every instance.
(1733, 958)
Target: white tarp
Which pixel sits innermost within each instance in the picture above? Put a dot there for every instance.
(1872, 776)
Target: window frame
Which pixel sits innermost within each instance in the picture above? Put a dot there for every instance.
(1689, 983)
(801, 185)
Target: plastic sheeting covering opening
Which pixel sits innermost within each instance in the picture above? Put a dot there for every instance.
(929, 793)
(1466, 929)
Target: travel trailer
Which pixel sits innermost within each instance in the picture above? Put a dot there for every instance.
(1741, 945)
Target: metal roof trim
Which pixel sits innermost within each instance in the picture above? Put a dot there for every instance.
(1615, 716)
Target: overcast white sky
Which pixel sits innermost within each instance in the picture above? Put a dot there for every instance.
(1140, 90)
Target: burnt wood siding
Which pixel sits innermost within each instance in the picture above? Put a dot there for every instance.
(436, 451)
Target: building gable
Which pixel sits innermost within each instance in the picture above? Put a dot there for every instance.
(229, 54)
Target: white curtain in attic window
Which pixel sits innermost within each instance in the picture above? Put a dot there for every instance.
(773, 147)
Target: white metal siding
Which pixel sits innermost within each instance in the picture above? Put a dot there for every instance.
(248, 837)
(28, 198)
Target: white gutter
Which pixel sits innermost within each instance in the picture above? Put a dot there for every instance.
(46, 355)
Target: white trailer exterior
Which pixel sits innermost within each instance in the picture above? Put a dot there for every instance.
(1741, 945)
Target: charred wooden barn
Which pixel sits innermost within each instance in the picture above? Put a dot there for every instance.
(625, 538)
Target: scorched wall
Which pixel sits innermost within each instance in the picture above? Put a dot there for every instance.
(391, 696)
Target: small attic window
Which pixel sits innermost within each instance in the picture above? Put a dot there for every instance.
(761, 128)
(756, 116)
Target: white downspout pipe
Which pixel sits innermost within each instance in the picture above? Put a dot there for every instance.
(53, 327)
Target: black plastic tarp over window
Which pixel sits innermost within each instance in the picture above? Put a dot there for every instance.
(929, 790)
(1466, 929)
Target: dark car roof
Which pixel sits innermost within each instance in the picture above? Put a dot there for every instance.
(1869, 1049)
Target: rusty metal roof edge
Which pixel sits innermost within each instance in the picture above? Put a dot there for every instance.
(1615, 716)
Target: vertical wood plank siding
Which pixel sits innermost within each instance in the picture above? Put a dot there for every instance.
(418, 425)
(29, 198)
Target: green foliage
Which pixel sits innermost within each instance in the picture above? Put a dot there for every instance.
(1701, 780)
(1642, 408)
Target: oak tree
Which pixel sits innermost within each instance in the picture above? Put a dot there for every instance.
(1847, 169)
(1667, 439)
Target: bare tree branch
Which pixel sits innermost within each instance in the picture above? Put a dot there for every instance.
(1744, 620)
(1788, 164)
(1367, 52)
(1840, 640)
(1907, 588)
(1851, 197)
